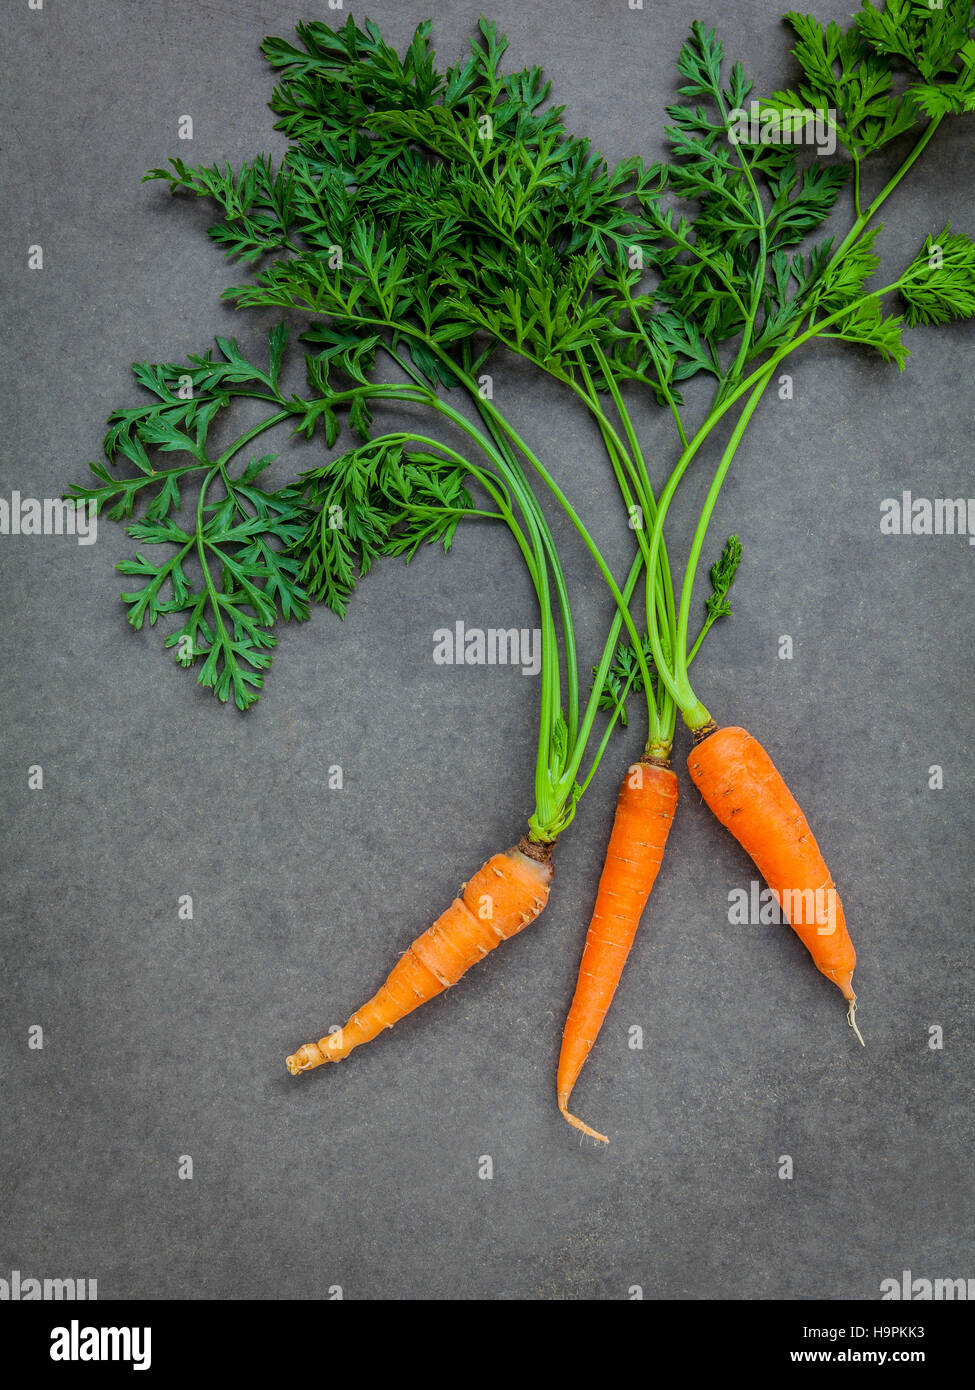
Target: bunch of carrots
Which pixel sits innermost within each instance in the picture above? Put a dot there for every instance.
(434, 220)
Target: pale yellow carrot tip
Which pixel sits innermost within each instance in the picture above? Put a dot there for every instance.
(593, 1133)
(304, 1059)
(851, 1018)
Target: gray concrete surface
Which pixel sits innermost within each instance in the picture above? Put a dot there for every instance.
(165, 1038)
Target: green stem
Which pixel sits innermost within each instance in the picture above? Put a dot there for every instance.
(647, 510)
(866, 217)
(559, 496)
(685, 696)
(761, 263)
(559, 583)
(663, 588)
(607, 733)
(599, 680)
(659, 603)
(244, 439)
(662, 383)
(201, 543)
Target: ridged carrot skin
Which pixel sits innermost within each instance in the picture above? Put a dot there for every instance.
(507, 893)
(748, 794)
(644, 814)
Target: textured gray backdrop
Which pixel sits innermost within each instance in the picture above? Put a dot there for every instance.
(165, 1038)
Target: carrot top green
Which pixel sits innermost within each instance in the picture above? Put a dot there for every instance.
(427, 222)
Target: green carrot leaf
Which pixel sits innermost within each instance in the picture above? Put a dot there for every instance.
(939, 284)
(722, 575)
(867, 326)
(375, 500)
(624, 678)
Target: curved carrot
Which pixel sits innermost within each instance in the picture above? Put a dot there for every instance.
(644, 814)
(748, 794)
(507, 893)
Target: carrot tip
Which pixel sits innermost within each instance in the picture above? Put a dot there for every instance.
(304, 1059)
(593, 1133)
(851, 1018)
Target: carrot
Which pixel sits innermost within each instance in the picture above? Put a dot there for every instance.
(748, 794)
(644, 814)
(507, 893)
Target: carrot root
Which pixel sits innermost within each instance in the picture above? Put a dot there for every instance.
(749, 796)
(851, 1018)
(644, 814)
(505, 894)
(580, 1124)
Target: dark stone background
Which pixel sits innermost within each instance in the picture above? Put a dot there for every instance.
(166, 1038)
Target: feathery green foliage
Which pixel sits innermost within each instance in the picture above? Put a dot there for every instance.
(428, 218)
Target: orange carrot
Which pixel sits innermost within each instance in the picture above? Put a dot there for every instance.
(507, 893)
(644, 814)
(748, 794)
